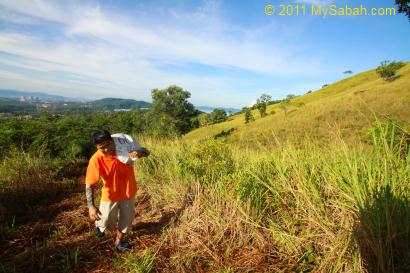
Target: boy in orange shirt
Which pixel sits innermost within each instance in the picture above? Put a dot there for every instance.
(118, 192)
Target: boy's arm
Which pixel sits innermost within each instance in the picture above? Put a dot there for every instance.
(91, 180)
(89, 193)
(92, 210)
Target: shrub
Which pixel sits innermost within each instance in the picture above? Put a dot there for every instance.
(387, 70)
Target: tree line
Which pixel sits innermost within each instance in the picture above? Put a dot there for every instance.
(68, 135)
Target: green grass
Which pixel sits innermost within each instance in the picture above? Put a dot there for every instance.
(139, 261)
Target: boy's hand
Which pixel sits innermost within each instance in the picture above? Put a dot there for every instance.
(133, 154)
(94, 213)
(141, 152)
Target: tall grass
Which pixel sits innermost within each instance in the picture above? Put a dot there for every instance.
(312, 207)
(30, 179)
(34, 220)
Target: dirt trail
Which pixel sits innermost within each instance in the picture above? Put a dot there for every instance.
(60, 238)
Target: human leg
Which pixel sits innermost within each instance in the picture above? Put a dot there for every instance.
(126, 213)
(109, 216)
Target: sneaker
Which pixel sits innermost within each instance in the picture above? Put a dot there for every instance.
(98, 232)
(123, 247)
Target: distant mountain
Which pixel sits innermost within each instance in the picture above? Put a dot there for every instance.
(115, 103)
(9, 93)
(209, 109)
(107, 103)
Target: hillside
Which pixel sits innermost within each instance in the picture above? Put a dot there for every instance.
(346, 108)
(115, 103)
(12, 105)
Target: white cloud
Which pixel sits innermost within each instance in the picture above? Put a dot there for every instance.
(10, 75)
(15, 18)
(126, 52)
(44, 10)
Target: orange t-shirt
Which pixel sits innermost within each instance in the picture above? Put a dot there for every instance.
(119, 178)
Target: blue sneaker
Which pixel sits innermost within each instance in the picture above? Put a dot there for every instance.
(98, 232)
(123, 247)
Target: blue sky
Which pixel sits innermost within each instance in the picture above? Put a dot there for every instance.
(226, 53)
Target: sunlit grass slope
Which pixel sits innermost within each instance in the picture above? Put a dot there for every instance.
(348, 106)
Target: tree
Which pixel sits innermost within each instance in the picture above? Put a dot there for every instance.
(265, 98)
(248, 115)
(387, 70)
(404, 7)
(217, 116)
(262, 108)
(348, 72)
(170, 107)
(261, 104)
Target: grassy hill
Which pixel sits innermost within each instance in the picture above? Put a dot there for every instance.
(346, 107)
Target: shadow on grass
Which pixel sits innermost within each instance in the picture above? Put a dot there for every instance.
(22, 195)
(224, 133)
(20, 207)
(383, 232)
(77, 254)
(61, 240)
(393, 78)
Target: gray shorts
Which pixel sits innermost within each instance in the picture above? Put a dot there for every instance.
(110, 212)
